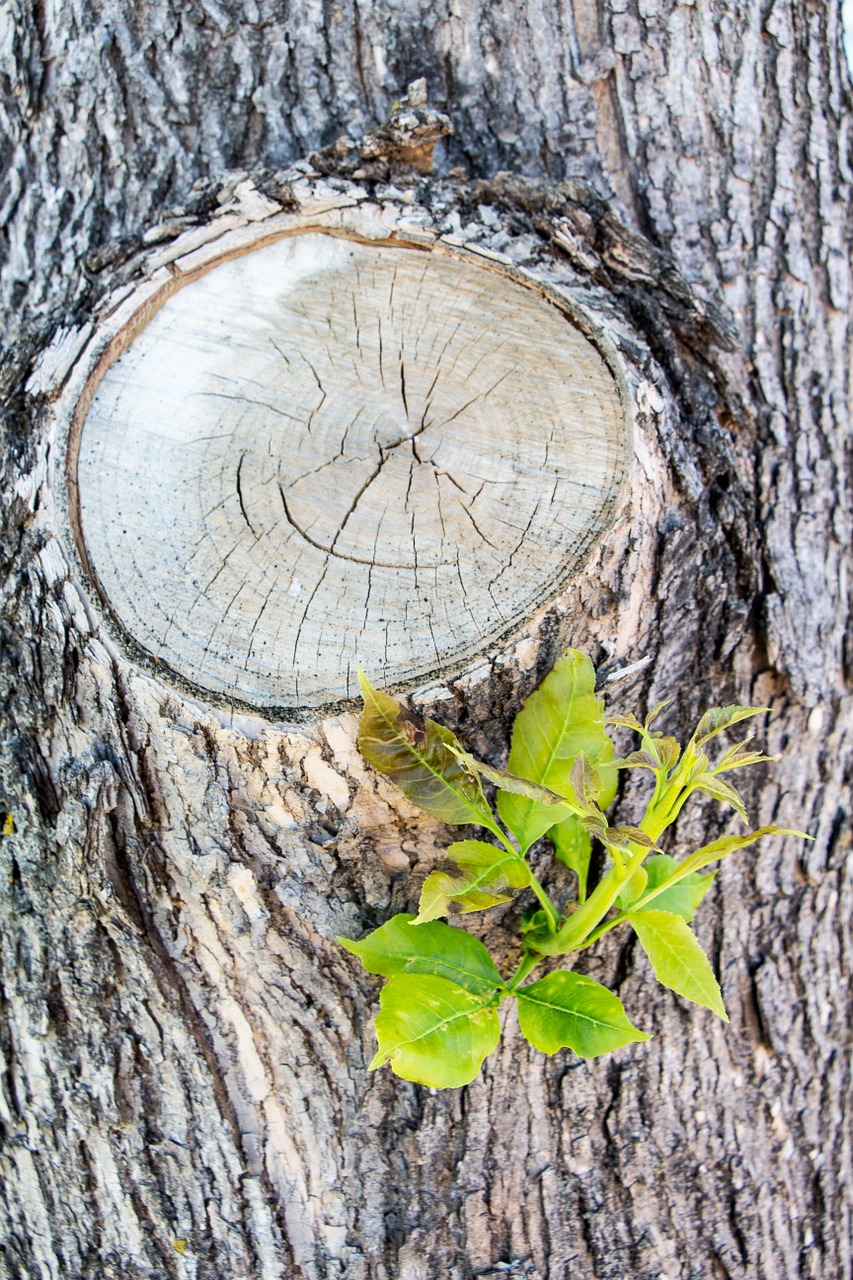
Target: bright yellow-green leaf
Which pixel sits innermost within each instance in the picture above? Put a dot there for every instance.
(681, 898)
(487, 862)
(444, 895)
(486, 872)
(559, 721)
(421, 757)
(433, 1032)
(569, 1010)
(740, 756)
(720, 790)
(677, 958)
(719, 849)
(8, 828)
(398, 947)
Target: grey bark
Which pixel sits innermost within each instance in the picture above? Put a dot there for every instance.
(184, 1089)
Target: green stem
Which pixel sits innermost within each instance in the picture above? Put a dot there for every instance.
(544, 901)
(604, 928)
(528, 963)
(677, 876)
(582, 928)
(580, 925)
(659, 815)
(585, 926)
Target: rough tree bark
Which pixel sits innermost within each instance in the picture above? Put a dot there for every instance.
(184, 1090)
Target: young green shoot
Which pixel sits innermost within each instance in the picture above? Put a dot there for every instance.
(438, 1016)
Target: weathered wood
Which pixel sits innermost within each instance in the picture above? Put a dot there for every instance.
(183, 1044)
(328, 453)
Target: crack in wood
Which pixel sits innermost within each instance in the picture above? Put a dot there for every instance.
(240, 494)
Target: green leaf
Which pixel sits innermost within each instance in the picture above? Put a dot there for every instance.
(626, 721)
(534, 920)
(489, 862)
(433, 1032)
(398, 946)
(677, 958)
(506, 781)
(421, 757)
(621, 837)
(720, 718)
(682, 898)
(654, 713)
(659, 754)
(587, 783)
(487, 872)
(637, 760)
(573, 848)
(720, 790)
(559, 721)
(739, 757)
(665, 750)
(443, 895)
(618, 840)
(721, 848)
(568, 1010)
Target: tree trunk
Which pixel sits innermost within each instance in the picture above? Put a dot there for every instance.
(184, 1044)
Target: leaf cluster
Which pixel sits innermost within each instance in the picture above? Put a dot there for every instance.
(438, 1016)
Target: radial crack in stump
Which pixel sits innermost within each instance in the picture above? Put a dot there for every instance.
(327, 453)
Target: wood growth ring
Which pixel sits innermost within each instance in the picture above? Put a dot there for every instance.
(326, 453)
